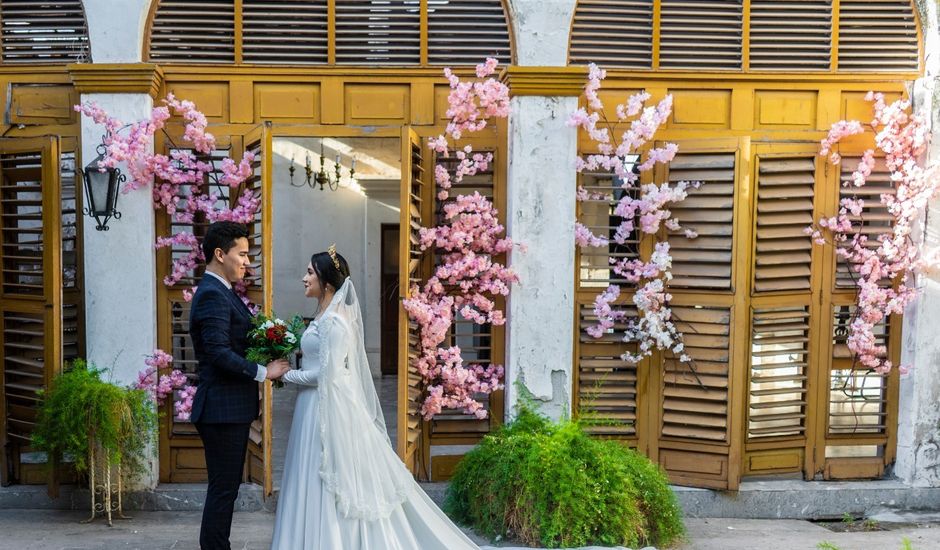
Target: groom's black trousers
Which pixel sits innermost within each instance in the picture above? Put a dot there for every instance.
(225, 446)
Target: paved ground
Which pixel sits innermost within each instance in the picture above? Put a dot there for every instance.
(57, 530)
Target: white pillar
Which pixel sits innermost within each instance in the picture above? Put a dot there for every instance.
(540, 28)
(120, 264)
(116, 29)
(541, 215)
(918, 459)
(120, 267)
(541, 185)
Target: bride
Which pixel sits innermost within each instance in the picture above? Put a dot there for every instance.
(343, 486)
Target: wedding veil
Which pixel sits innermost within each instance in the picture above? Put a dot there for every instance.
(358, 463)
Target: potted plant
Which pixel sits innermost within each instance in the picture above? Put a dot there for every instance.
(103, 427)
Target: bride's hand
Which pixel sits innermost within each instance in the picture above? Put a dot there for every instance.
(277, 368)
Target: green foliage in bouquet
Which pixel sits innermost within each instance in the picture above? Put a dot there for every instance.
(551, 484)
(79, 408)
(272, 338)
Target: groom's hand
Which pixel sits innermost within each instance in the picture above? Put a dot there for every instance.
(277, 368)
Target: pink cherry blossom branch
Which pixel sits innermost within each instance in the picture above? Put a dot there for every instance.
(468, 239)
(882, 265)
(643, 208)
(159, 385)
(178, 180)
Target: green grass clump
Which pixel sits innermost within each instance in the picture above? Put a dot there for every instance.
(553, 485)
(79, 408)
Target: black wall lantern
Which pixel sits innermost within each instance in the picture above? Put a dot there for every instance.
(102, 187)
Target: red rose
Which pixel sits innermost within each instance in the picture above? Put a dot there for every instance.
(277, 333)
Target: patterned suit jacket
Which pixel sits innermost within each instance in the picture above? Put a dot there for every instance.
(218, 325)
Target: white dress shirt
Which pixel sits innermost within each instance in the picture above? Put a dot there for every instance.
(262, 370)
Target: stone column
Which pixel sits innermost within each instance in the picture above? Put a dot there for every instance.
(541, 185)
(120, 266)
(918, 458)
(540, 206)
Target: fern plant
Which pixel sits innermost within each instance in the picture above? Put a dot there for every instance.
(79, 409)
(553, 485)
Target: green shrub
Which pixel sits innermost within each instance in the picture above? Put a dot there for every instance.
(80, 407)
(553, 485)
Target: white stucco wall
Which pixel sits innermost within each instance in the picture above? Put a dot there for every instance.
(116, 29)
(918, 461)
(541, 214)
(307, 221)
(382, 208)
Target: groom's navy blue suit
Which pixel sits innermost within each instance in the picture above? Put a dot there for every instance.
(226, 401)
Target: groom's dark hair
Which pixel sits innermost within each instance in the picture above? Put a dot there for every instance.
(222, 235)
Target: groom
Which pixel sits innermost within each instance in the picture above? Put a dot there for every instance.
(226, 401)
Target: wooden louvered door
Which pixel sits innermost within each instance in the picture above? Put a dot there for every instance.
(856, 424)
(451, 432)
(787, 270)
(32, 346)
(606, 384)
(260, 291)
(417, 190)
(182, 459)
(697, 413)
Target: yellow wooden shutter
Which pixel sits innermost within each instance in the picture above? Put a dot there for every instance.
(597, 214)
(695, 405)
(700, 34)
(42, 31)
(784, 209)
(857, 403)
(31, 341)
(791, 35)
(284, 31)
(73, 288)
(607, 385)
(452, 41)
(613, 33)
(875, 218)
(193, 31)
(779, 362)
(479, 344)
(695, 439)
(261, 291)
(378, 33)
(416, 193)
(877, 35)
(860, 413)
(704, 262)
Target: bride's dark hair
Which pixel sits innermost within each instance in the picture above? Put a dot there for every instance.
(326, 270)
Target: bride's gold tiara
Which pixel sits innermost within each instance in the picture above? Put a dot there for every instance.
(332, 252)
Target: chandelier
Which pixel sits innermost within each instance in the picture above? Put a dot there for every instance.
(334, 179)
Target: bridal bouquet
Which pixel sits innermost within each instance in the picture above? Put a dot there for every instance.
(272, 338)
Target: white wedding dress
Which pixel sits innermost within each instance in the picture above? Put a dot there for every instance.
(344, 488)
